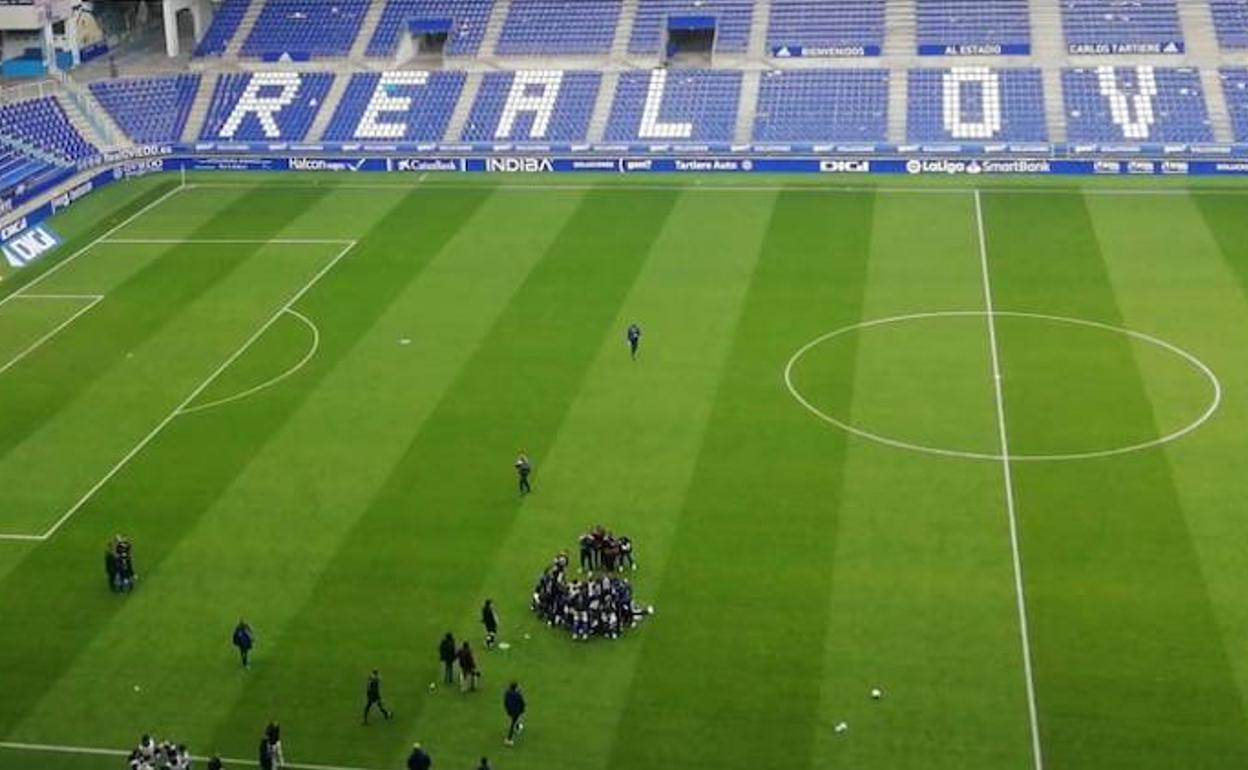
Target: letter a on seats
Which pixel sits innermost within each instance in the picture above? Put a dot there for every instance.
(265, 108)
(532, 91)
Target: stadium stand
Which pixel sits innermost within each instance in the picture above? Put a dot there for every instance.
(1122, 26)
(42, 124)
(808, 105)
(224, 24)
(409, 105)
(467, 24)
(732, 23)
(819, 28)
(975, 104)
(554, 27)
(685, 105)
(1230, 21)
(533, 105)
(18, 169)
(304, 29)
(973, 27)
(149, 110)
(1142, 103)
(1235, 88)
(265, 105)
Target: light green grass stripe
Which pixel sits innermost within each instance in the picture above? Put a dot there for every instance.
(237, 534)
(727, 677)
(1180, 270)
(922, 601)
(1129, 668)
(623, 457)
(450, 497)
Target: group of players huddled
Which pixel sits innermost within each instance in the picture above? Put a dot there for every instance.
(598, 604)
(163, 755)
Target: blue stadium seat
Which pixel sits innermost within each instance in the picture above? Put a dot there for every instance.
(1230, 21)
(1135, 104)
(1118, 27)
(468, 19)
(265, 106)
(1235, 88)
(546, 106)
(821, 28)
(685, 105)
(305, 29)
(976, 104)
(224, 24)
(43, 124)
(987, 27)
(410, 105)
(545, 27)
(149, 110)
(816, 105)
(732, 23)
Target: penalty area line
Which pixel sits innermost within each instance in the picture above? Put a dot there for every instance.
(48, 748)
(1008, 480)
(94, 299)
(181, 408)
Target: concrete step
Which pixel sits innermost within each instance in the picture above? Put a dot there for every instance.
(329, 106)
(1054, 104)
(900, 28)
(199, 107)
(898, 80)
(367, 28)
(602, 106)
(747, 107)
(758, 31)
(459, 118)
(245, 25)
(90, 118)
(624, 30)
(494, 27)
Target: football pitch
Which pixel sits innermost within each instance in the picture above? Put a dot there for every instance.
(981, 448)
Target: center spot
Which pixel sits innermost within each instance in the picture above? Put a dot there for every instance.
(1071, 387)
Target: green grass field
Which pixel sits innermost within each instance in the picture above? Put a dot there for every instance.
(301, 398)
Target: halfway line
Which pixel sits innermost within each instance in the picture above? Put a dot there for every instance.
(1008, 478)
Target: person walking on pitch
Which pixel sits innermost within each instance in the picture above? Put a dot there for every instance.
(634, 340)
(244, 640)
(513, 704)
(523, 468)
(489, 619)
(419, 759)
(446, 654)
(373, 696)
(467, 669)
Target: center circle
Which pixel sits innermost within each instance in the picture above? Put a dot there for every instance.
(931, 369)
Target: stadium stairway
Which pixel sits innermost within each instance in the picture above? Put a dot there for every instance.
(245, 26)
(325, 113)
(1048, 47)
(898, 105)
(757, 48)
(747, 107)
(90, 118)
(493, 30)
(624, 30)
(602, 104)
(1204, 52)
(199, 108)
(459, 118)
(900, 28)
(367, 28)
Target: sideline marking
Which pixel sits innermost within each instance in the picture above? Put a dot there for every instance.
(316, 343)
(94, 300)
(233, 241)
(195, 393)
(1214, 404)
(1008, 480)
(48, 748)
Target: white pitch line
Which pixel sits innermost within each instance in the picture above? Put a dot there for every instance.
(316, 344)
(52, 270)
(195, 393)
(25, 538)
(233, 241)
(95, 299)
(1008, 479)
(48, 748)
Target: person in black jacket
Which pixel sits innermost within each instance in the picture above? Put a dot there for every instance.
(373, 696)
(524, 467)
(214, 763)
(419, 759)
(468, 671)
(489, 619)
(111, 568)
(243, 639)
(446, 654)
(513, 704)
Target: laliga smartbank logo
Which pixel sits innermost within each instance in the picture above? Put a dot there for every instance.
(975, 167)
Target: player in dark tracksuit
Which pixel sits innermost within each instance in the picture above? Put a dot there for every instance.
(373, 696)
(419, 759)
(446, 654)
(489, 619)
(244, 640)
(523, 468)
(111, 568)
(634, 340)
(513, 704)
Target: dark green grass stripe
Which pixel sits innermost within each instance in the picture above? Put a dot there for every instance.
(729, 674)
(132, 313)
(158, 507)
(1226, 216)
(1129, 668)
(450, 500)
(15, 281)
